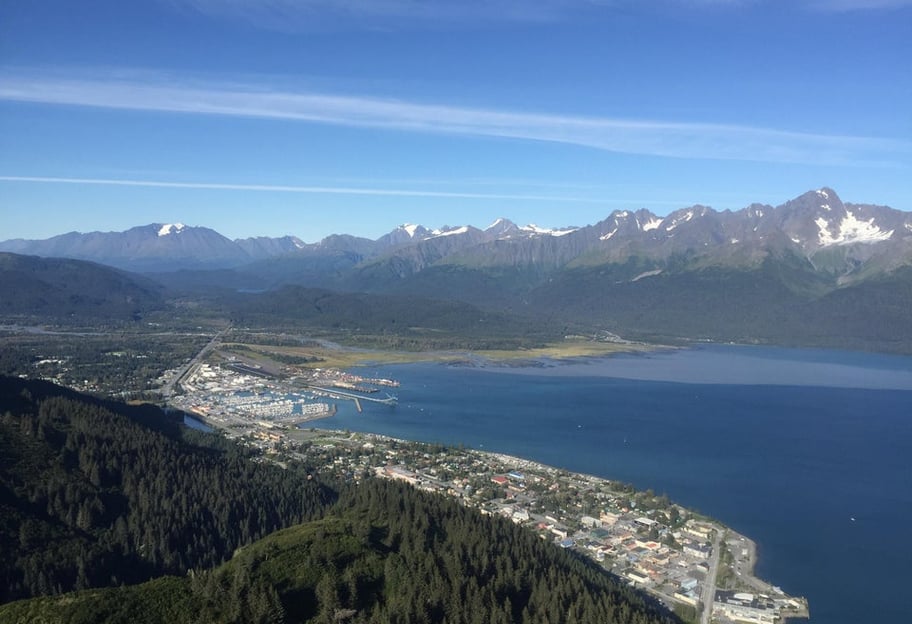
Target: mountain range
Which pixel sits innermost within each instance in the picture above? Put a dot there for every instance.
(814, 270)
(846, 241)
(157, 247)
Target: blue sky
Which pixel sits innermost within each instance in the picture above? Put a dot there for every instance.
(310, 117)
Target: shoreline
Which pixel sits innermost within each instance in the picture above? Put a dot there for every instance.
(722, 530)
(746, 577)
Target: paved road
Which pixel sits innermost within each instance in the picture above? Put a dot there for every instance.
(168, 389)
(709, 587)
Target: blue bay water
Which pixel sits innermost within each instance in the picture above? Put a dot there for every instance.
(786, 446)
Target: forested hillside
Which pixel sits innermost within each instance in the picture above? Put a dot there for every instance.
(388, 554)
(65, 290)
(93, 494)
(98, 494)
(387, 321)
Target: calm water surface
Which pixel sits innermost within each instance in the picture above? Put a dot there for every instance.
(786, 446)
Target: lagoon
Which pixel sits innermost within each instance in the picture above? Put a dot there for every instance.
(784, 445)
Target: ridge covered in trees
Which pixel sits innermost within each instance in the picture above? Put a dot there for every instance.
(98, 494)
(388, 553)
(95, 493)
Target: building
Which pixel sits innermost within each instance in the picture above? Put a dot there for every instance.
(607, 518)
(400, 473)
(689, 583)
(589, 521)
(699, 551)
(637, 577)
(745, 607)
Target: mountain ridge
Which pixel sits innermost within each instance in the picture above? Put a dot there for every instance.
(816, 221)
(752, 275)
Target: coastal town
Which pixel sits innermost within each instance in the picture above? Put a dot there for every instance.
(694, 565)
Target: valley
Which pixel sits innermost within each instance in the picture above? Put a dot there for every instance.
(266, 366)
(813, 271)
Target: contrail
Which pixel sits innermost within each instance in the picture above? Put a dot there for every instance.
(283, 188)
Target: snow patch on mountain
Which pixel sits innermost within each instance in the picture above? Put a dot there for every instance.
(459, 230)
(652, 224)
(823, 193)
(687, 216)
(608, 235)
(534, 229)
(851, 230)
(410, 229)
(170, 228)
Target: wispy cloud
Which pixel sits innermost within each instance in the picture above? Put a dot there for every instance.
(297, 15)
(284, 188)
(857, 5)
(645, 137)
(319, 14)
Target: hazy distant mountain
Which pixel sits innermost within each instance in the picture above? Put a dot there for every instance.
(261, 247)
(62, 289)
(158, 247)
(144, 248)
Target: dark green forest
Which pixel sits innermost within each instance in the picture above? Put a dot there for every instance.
(388, 553)
(386, 321)
(95, 493)
(101, 494)
(783, 300)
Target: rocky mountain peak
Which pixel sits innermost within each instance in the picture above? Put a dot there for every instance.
(502, 228)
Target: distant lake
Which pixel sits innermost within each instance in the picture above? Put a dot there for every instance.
(784, 445)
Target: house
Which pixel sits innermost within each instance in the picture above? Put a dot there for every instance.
(589, 521)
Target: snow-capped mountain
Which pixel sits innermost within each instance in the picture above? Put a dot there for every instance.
(158, 247)
(813, 270)
(837, 238)
(404, 235)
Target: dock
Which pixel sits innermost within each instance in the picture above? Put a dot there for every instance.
(389, 400)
